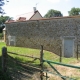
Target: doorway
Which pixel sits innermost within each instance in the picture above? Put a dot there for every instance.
(68, 47)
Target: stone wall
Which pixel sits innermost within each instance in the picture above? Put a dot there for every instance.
(46, 32)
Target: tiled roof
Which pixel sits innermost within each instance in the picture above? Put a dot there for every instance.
(26, 15)
(21, 19)
(9, 21)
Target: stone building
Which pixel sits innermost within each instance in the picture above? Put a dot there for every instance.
(51, 33)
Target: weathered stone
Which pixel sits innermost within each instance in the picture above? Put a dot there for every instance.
(47, 32)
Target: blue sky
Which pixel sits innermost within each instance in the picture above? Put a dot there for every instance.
(17, 7)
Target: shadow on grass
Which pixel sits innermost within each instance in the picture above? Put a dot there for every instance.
(4, 76)
(18, 70)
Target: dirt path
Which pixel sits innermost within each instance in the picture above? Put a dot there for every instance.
(67, 71)
(29, 73)
(24, 71)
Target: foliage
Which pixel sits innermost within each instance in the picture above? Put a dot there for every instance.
(2, 21)
(2, 3)
(53, 13)
(74, 11)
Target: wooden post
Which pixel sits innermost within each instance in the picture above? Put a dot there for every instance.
(4, 32)
(46, 75)
(77, 51)
(4, 59)
(60, 60)
(4, 37)
(41, 62)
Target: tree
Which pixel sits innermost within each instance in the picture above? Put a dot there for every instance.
(2, 21)
(2, 3)
(53, 13)
(74, 11)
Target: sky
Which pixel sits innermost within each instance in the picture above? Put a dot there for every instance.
(17, 7)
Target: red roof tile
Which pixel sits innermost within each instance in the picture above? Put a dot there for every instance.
(28, 16)
(21, 19)
(9, 21)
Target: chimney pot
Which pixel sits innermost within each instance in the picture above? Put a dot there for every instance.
(34, 8)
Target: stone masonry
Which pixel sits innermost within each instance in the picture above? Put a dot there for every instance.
(46, 32)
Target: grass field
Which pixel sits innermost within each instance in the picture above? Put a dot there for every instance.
(36, 53)
(32, 52)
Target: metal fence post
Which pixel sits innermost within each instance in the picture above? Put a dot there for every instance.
(41, 62)
(4, 59)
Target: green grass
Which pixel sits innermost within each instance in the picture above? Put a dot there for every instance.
(30, 52)
(36, 53)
